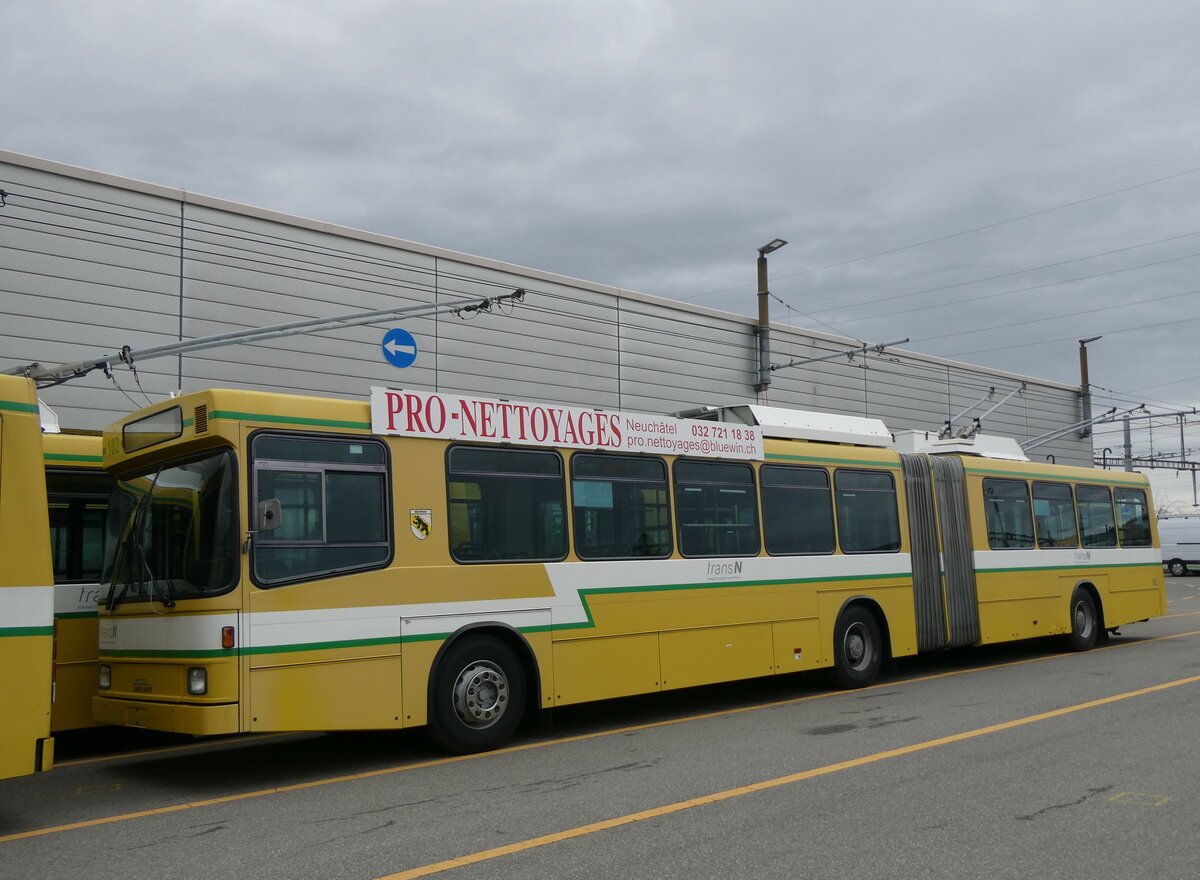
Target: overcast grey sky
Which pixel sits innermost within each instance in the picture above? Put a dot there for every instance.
(993, 180)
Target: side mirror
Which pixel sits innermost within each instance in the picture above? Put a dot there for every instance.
(269, 517)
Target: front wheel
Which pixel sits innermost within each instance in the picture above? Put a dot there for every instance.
(1177, 568)
(1085, 624)
(478, 695)
(857, 648)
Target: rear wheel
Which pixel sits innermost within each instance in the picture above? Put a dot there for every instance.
(857, 648)
(478, 695)
(1085, 623)
(1177, 568)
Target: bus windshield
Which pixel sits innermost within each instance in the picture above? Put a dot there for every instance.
(172, 533)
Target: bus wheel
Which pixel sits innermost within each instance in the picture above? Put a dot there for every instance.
(478, 695)
(1084, 623)
(857, 648)
(1177, 568)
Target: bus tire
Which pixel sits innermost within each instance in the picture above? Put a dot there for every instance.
(1085, 623)
(478, 695)
(1177, 568)
(857, 648)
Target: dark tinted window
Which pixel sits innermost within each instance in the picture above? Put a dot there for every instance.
(506, 504)
(1097, 524)
(867, 518)
(716, 509)
(333, 506)
(1133, 517)
(1054, 515)
(797, 510)
(78, 515)
(620, 506)
(1009, 514)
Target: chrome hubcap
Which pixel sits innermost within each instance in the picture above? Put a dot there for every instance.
(1083, 620)
(857, 646)
(480, 694)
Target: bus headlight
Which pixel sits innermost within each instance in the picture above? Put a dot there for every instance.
(197, 680)
(105, 678)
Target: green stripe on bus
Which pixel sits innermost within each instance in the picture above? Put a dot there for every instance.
(9, 632)
(324, 646)
(286, 420)
(584, 595)
(1053, 477)
(15, 406)
(816, 459)
(1074, 567)
(62, 456)
(151, 655)
(74, 615)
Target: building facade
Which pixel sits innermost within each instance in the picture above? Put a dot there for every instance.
(92, 262)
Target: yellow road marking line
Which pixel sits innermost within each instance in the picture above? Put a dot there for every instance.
(765, 785)
(567, 740)
(1180, 614)
(1140, 799)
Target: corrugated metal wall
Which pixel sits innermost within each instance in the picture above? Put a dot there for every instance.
(91, 262)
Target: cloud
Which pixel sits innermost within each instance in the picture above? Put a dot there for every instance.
(656, 145)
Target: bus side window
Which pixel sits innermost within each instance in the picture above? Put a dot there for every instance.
(1133, 520)
(506, 504)
(1054, 509)
(78, 511)
(716, 508)
(797, 510)
(620, 506)
(332, 502)
(1009, 514)
(1096, 522)
(867, 517)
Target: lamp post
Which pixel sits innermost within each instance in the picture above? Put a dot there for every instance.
(1085, 386)
(764, 321)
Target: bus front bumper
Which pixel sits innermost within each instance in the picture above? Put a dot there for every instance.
(169, 717)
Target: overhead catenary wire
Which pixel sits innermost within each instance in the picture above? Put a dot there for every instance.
(275, 268)
(1042, 319)
(959, 233)
(1024, 271)
(1029, 289)
(247, 248)
(194, 251)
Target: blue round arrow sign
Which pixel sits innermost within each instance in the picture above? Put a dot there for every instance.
(399, 347)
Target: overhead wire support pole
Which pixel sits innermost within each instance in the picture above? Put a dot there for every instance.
(837, 354)
(763, 328)
(49, 376)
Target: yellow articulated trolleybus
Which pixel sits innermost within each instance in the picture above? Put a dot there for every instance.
(26, 586)
(283, 563)
(77, 491)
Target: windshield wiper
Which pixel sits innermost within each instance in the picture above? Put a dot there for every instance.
(133, 541)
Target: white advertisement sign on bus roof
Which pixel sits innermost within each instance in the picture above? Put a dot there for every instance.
(483, 420)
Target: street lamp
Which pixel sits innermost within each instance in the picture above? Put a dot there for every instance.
(1085, 386)
(764, 320)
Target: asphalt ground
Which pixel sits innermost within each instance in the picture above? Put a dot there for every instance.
(1012, 761)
